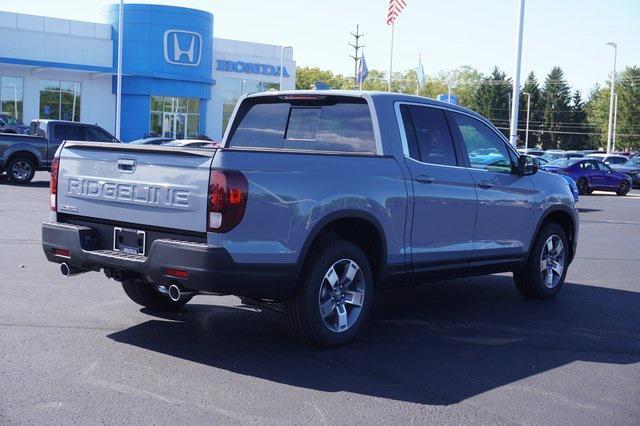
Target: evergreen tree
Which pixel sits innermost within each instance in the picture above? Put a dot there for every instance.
(535, 117)
(492, 99)
(577, 124)
(556, 97)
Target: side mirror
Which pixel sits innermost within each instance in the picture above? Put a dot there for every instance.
(527, 165)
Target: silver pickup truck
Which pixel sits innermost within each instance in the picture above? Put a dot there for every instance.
(315, 200)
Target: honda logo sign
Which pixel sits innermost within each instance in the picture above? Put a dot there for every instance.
(182, 47)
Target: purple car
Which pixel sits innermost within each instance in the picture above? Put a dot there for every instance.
(590, 174)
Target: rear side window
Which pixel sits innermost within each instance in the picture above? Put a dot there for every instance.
(428, 135)
(333, 124)
(64, 132)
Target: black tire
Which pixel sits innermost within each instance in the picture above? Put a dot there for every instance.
(144, 294)
(21, 170)
(583, 186)
(303, 312)
(529, 281)
(623, 189)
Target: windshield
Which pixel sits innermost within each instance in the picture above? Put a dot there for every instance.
(563, 162)
(10, 120)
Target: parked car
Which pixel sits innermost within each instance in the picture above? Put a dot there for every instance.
(551, 155)
(151, 141)
(632, 169)
(315, 201)
(21, 155)
(610, 159)
(10, 124)
(532, 151)
(192, 143)
(591, 174)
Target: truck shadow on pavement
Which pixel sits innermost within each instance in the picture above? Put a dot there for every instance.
(434, 344)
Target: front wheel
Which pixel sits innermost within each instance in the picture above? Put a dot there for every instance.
(334, 296)
(545, 271)
(623, 189)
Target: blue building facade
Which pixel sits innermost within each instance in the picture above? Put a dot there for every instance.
(167, 54)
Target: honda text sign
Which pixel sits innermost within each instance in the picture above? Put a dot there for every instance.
(182, 47)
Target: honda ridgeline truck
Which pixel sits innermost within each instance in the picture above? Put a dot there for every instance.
(315, 200)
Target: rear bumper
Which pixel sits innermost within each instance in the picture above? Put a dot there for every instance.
(210, 269)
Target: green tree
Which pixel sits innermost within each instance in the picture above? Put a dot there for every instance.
(628, 120)
(491, 99)
(532, 87)
(577, 124)
(307, 76)
(556, 97)
(465, 81)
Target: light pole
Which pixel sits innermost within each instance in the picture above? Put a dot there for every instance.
(613, 91)
(615, 123)
(516, 79)
(282, 63)
(119, 71)
(526, 135)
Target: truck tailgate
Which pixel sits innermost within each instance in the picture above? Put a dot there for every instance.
(147, 185)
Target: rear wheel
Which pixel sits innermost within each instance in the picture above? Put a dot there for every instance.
(623, 189)
(583, 186)
(144, 294)
(334, 297)
(546, 269)
(21, 170)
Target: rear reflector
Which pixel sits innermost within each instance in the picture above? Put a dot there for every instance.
(176, 273)
(61, 252)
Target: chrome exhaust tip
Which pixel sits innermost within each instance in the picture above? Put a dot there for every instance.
(68, 270)
(174, 292)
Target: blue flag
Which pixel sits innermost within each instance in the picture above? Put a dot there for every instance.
(363, 71)
(420, 71)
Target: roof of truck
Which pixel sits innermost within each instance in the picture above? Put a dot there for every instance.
(393, 96)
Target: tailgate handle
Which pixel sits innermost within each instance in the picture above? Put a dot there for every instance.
(127, 165)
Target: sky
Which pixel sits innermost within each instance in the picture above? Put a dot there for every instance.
(568, 33)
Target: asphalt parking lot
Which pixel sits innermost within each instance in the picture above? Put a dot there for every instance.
(465, 351)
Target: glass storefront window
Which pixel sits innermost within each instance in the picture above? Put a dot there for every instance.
(60, 100)
(174, 117)
(233, 88)
(11, 90)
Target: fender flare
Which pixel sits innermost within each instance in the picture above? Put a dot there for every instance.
(545, 216)
(23, 147)
(337, 215)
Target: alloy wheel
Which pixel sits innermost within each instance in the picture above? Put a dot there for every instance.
(21, 170)
(341, 295)
(552, 261)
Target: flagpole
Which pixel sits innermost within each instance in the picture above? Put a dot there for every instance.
(393, 24)
(417, 76)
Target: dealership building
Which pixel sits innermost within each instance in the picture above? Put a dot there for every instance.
(178, 80)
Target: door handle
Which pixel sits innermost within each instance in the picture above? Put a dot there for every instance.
(485, 184)
(424, 179)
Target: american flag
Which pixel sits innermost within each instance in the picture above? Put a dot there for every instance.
(395, 7)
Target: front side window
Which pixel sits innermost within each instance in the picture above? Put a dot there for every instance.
(616, 160)
(60, 100)
(331, 124)
(485, 149)
(95, 134)
(428, 135)
(603, 167)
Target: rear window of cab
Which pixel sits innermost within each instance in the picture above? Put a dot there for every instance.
(305, 123)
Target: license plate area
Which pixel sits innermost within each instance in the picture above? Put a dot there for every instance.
(129, 241)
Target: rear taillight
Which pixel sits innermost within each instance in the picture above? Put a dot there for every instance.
(53, 184)
(228, 190)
